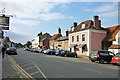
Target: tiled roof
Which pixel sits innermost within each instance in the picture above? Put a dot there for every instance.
(114, 47)
(55, 36)
(89, 25)
(111, 33)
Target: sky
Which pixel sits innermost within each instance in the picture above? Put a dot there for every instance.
(31, 17)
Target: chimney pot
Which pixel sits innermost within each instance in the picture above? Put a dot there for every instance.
(74, 24)
(59, 31)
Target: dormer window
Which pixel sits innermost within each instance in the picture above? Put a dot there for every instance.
(83, 26)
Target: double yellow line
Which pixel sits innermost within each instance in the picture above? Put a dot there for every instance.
(29, 77)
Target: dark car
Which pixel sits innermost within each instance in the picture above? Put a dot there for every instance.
(68, 54)
(51, 51)
(101, 56)
(11, 51)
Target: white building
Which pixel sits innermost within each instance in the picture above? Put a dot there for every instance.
(114, 38)
(35, 42)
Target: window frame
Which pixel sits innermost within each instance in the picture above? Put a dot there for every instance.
(82, 37)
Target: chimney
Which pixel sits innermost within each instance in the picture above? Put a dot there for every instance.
(66, 33)
(59, 31)
(40, 33)
(96, 21)
(99, 23)
(74, 24)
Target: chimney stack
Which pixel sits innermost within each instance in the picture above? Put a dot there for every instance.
(74, 24)
(40, 34)
(66, 33)
(59, 31)
(97, 22)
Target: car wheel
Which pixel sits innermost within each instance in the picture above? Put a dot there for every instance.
(101, 61)
(92, 60)
(75, 56)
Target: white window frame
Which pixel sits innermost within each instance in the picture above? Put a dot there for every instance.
(82, 37)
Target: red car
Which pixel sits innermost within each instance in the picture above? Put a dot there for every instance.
(116, 59)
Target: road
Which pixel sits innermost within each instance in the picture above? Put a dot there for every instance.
(39, 65)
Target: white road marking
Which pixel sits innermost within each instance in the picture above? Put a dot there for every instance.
(93, 70)
(34, 73)
(29, 68)
(26, 65)
(40, 71)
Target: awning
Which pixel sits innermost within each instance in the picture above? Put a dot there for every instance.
(71, 46)
(80, 45)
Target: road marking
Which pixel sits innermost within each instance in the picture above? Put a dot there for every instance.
(26, 65)
(34, 73)
(93, 70)
(29, 77)
(29, 68)
(40, 71)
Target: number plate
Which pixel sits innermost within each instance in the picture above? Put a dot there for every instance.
(92, 57)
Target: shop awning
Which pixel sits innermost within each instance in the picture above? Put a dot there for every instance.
(71, 46)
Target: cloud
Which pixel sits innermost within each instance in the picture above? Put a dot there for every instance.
(53, 16)
(25, 22)
(103, 8)
(109, 14)
(17, 36)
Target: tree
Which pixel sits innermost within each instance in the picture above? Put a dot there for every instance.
(28, 44)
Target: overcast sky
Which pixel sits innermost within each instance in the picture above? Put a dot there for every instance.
(34, 16)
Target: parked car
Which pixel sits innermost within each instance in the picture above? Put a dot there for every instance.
(11, 51)
(51, 51)
(116, 59)
(68, 54)
(101, 56)
(45, 51)
(26, 49)
(41, 50)
(36, 50)
(58, 52)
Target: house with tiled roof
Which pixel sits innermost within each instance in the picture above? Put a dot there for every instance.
(41, 41)
(53, 38)
(62, 43)
(112, 39)
(86, 37)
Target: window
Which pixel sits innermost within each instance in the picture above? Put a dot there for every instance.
(83, 37)
(83, 25)
(118, 40)
(72, 38)
(55, 42)
(77, 38)
(66, 42)
(60, 42)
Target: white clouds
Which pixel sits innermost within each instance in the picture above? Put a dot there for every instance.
(53, 16)
(109, 14)
(25, 22)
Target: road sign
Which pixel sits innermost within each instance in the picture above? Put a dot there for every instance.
(4, 21)
(5, 28)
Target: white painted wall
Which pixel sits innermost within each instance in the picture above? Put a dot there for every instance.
(35, 42)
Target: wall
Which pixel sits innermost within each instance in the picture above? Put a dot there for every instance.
(96, 39)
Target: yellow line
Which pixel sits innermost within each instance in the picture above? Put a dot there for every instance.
(18, 67)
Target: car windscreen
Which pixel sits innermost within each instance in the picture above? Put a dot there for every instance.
(94, 52)
(12, 49)
(105, 53)
(117, 55)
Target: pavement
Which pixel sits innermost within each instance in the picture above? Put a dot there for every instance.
(8, 71)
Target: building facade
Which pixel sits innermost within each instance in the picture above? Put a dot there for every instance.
(86, 37)
(52, 42)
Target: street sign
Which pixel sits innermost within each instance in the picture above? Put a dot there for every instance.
(4, 21)
(5, 28)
